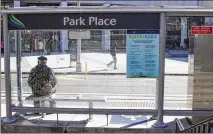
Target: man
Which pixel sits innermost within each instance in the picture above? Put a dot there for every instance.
(113, 54)
(42, 81)
(40, 45)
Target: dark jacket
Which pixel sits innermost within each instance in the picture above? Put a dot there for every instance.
(42, 81)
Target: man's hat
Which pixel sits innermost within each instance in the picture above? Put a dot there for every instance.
(42, 58)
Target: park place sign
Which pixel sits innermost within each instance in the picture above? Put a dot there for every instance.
(91, 21)
(58, 21)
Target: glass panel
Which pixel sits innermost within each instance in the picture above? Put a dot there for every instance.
(176, 64)
(190, 67)
(13, 69)
(95, 80)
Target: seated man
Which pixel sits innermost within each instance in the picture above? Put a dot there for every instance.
(42, 81)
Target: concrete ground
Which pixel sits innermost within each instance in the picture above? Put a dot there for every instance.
(80, 123)
(93, 63)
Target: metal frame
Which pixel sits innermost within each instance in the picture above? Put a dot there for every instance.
(112, 111)
(169, 10)
(160, 97)
(165, 11)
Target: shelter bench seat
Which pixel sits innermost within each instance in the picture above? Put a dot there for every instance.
(45, 99)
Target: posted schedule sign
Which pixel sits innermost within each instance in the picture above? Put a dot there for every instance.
(142, 53)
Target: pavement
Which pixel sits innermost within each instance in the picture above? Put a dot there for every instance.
(94, 63)
(99, 123)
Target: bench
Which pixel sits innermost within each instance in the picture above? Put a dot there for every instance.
(79, 98)
(42, 100)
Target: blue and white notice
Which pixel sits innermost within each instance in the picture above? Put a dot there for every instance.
(142, 53)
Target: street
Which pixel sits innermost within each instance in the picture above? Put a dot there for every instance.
(110, 84)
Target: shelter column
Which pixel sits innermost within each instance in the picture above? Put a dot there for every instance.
(9, 118)
(160, 97)
(78, 57)
(64, 33)
(106, 37)
(183, 31)
(18, 58)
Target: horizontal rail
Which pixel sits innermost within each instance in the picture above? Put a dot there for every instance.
(77, 99)
(112, 111)
(86, 111)
(112, 9)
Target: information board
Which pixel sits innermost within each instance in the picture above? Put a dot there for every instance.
(142, 53)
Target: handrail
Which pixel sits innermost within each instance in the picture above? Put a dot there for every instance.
(200, 123)
(179, 125)
(206, 125)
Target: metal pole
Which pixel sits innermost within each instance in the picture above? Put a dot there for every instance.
(78, 3)
(154, 117)
(90, 107)
(18, 58)
(0, 49)
(160, 123)
(18, 63)
(9, 118)
(78, 60)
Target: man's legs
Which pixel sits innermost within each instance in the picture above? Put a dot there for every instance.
(52, 103)
(115, 61)
(110, 63)
(36, 103)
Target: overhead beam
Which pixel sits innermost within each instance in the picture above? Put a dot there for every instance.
(193, 11)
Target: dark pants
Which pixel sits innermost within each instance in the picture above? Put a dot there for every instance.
(43, 103)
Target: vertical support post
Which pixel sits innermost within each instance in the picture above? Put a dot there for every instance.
(17, 34)
(64, 33)
(9, 119)
(78, 60)
(160, 123)
(70, 58)
(0, 49)
(107, 119)
(90, 107)
(106, 36)
(183, 31)
(86, 70)
(78, 3)
(156, 98)
(19, 71)
(154, 117)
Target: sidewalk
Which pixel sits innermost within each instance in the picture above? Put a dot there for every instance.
(93, 63)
